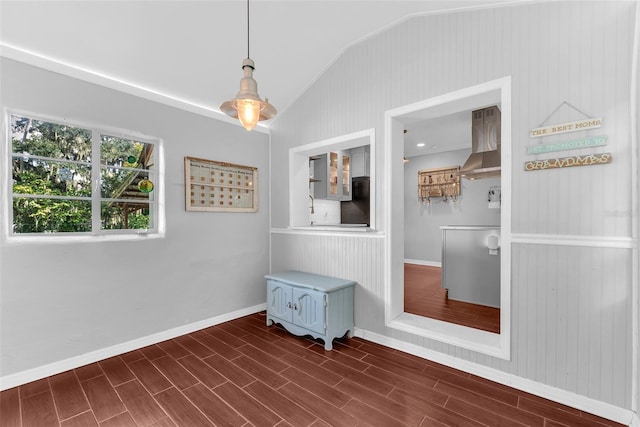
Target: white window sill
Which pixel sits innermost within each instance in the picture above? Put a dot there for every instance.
(80, 238)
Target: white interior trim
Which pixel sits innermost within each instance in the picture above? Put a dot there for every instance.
(575, 240)
(635, 222)
(485, 94)
(159, 231)
(421, 262)
(321, 231)
(299, 172)
(19, 378)
(449, 333)
(596, 407)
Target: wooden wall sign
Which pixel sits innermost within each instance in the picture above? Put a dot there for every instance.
(585, 124)
(567, 162)
(567, 145)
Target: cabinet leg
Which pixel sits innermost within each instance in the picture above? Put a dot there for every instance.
(328, 344)
(269, 322)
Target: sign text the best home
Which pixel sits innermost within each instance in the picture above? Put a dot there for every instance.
(566, 127)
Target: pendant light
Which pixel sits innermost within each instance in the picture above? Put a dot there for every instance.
(247, 105)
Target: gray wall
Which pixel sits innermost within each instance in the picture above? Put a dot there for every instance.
(422, 222)
(61, 300)
(573, 236)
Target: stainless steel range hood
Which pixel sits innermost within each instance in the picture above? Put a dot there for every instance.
(484, 161)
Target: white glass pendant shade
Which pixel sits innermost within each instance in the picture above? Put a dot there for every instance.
(248, 112)
(247, 105)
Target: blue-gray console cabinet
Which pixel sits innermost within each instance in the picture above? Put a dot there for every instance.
(311, 304)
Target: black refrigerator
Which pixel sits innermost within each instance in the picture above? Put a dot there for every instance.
(356, 211)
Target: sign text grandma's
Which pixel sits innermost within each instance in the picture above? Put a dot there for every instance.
(567, 162)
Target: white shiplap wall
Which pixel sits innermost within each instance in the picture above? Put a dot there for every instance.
(332, 255)
(571, 303)
(571, 317)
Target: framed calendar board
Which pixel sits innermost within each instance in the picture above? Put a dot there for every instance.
(220, 187)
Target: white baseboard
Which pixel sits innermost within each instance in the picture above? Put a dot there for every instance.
(602, 409)
(596, 407)
(14, 380)
(421, 262)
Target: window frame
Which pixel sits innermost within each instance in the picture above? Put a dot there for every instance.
(156, 175)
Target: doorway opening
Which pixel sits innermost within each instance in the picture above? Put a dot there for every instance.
(425, 296)
(497, 92)
(464, 290)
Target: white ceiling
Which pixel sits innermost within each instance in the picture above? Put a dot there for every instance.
(446, 133)
(189, 53)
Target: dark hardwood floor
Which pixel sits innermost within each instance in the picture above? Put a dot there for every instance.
(424, 296)
(242, 373)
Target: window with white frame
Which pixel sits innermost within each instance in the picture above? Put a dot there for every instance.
(70, 179)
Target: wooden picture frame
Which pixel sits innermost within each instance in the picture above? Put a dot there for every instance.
(213, 186)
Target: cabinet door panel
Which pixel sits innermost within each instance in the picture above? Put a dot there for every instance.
(346, 177)
(332, 176)
(309, 309)
(279, 300)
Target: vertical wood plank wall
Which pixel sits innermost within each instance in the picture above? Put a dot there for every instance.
(572, 306)
(334, 256)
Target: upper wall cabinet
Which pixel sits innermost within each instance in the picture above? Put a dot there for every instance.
(360, 161)
(331, 175)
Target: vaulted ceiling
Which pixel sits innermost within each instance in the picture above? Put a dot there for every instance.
(189, 53)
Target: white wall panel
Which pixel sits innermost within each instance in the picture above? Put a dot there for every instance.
(62, 300)
(353, 257)
(571, 311)
(571, 305)
(581, 60)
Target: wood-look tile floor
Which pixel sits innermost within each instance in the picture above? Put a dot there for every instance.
(424, 296)
(243, 373)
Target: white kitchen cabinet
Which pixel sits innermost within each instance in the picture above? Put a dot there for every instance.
(332, 176)
(311, 304)
(360, 165)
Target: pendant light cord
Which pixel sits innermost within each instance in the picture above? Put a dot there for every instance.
(248, 56)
